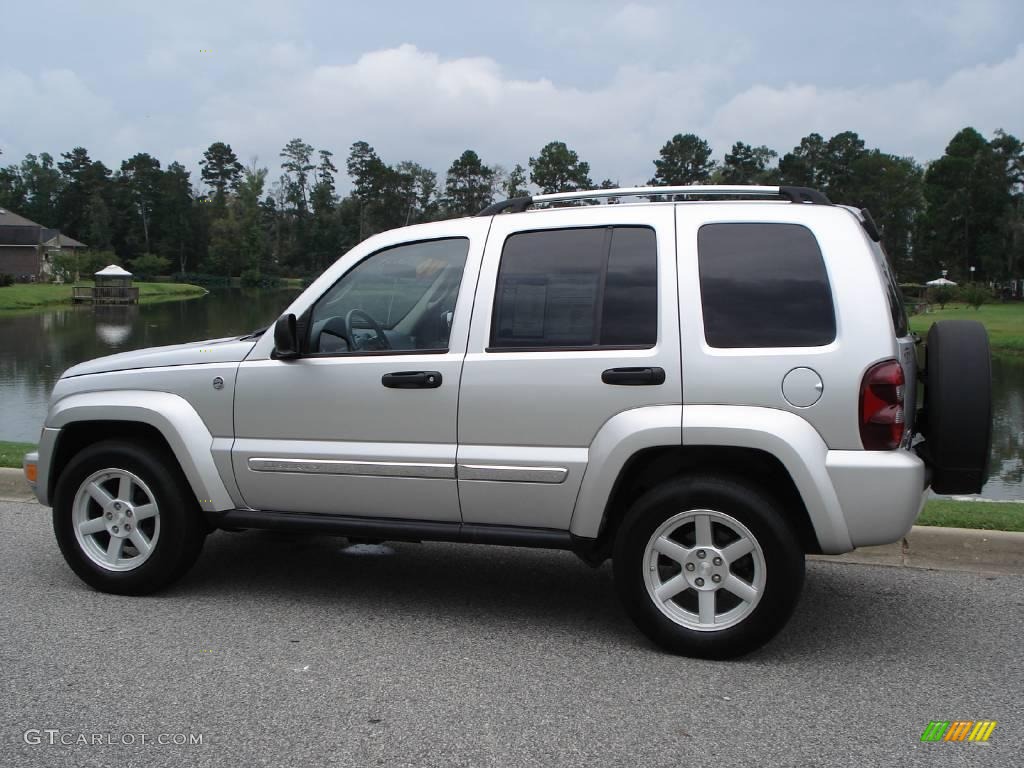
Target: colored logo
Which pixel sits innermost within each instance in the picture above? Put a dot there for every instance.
(958, 730)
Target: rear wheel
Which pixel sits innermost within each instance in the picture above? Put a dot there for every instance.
(125, 518)
(708, 567)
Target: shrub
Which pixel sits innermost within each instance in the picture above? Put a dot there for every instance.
(251, 278)
(976, 294)
(942, 295)
(149, 265)
(90, 262)
(6, 279)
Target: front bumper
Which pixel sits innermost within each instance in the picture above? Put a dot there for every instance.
(881, 493)
(30, 466)
(42, 457)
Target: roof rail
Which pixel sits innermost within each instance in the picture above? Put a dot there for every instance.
(793, 194)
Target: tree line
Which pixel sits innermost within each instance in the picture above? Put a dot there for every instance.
(963, 210)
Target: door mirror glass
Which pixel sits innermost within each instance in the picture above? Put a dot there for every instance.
(286, 338)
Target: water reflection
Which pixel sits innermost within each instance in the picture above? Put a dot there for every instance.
(36, 348)
(114, 323)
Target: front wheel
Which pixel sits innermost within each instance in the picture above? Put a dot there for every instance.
(708, 567)
(125, 518)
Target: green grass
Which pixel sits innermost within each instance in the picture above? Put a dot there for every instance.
(1005, 323)
(984, 515)
(12, 453)
(29, 296)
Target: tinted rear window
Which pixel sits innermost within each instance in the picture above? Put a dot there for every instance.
(577, 288)
(764, 285)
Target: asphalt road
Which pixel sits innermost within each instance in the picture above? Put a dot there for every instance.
(294, 651)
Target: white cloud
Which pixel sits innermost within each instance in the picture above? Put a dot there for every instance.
(38, 112)
(419, 105)
(912, 118)
(415, 104)
(639, 23)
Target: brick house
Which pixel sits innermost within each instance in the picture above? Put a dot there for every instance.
(25, 247)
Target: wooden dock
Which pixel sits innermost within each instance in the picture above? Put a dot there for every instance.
(89, 294)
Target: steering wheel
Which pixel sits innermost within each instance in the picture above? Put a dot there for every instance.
(374, 326)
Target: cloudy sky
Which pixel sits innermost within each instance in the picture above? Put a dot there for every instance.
(425, 80)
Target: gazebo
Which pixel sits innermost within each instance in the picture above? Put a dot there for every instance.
(113, 286)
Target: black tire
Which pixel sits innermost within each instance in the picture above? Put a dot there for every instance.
(783, 563)
(182, 529)
(958, 406)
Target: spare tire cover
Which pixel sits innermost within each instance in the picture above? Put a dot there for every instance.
(958, 406)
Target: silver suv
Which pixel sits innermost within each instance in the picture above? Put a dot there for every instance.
(703, 384)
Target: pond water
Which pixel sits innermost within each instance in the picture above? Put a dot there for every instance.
(35, 348)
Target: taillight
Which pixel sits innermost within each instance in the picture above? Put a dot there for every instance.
(882, 418)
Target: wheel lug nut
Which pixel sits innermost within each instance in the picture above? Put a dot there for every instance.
(128, 513)
(700, 582)
(690, 566)
(701, 554)
(716, 561)
(109, 516)
(716, 578)
(115, 529)
(117, 505)
(127, 526)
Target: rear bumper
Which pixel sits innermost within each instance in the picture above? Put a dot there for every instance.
(880, 492)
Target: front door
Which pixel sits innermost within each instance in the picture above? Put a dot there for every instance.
(363, 423)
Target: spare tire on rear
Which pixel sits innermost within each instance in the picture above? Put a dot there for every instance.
(957, 418)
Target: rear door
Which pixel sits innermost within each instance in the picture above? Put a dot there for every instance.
(575, 321)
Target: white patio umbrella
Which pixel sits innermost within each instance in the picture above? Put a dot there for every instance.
(940, 281)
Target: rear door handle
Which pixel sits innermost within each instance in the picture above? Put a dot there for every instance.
(412, 380)
(634, 377)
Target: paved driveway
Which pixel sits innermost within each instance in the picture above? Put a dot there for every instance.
(292, 651)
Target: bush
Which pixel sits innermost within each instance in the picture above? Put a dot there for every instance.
(251, 278)
(90, 262)
(70, 264)
(149, 265)
(6, 280)
(942, 295)
(976, 294)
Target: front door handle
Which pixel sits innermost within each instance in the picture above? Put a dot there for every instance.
(634, 377)
(412, 380)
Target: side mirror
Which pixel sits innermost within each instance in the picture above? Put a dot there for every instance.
(286, 338)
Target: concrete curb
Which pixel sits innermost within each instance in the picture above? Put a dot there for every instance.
(14, 487)
(947, 549)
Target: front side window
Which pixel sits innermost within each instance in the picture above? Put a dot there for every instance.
(401, 298)
(577, 288)
(764, 285)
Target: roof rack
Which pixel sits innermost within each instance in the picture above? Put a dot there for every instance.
(792, 194)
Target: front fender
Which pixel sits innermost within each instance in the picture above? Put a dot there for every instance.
(171, 415)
